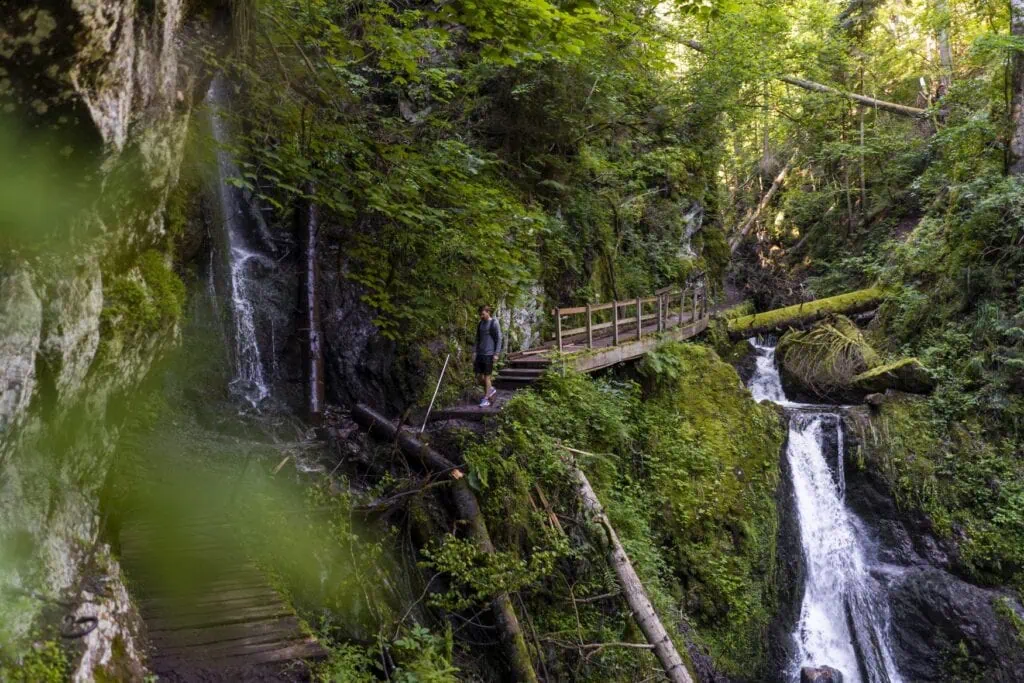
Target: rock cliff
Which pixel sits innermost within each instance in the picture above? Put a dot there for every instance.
(96, 98)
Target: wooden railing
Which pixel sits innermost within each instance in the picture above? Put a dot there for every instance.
(686, 304)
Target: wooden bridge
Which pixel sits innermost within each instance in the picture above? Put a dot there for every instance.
(210, 614)
(610, 333)
(596, 336)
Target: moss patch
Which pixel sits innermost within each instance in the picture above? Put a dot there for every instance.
(144, 298)
(686, 465)
(971, 490)
(906, 374)
(801, 314)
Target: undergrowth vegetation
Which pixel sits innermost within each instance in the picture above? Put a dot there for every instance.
(686, 466)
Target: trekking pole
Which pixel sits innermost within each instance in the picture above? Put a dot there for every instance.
(431, 406)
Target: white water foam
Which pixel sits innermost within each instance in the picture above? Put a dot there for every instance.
(844, 616)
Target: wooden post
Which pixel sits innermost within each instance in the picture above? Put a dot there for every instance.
(590, 327)
(661, 313)
(694, 305)
(682, 305)
(615, 324)
(558, 328)
(639, 317)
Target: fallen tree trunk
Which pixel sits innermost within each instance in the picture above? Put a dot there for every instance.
(734, 242)
(469, 510)
(633, 590)
(805, 314)
(891, 107)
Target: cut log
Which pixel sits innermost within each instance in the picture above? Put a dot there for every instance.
(469, 510)
(805, 314)
(891, 107)
(735, 240)
(633, 590)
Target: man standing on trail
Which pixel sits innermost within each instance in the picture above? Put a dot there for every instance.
(488, 344)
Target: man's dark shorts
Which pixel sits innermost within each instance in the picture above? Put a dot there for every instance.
(483, 365)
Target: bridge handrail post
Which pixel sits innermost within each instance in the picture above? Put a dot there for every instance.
(661, 319)
(558, 328)
(590, 327)
(694, 304)
(615, 323)
(639, 317)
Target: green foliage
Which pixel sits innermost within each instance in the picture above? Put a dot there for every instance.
(686, 468)
(145, 298)
(469, 151)
(45, 662)
(478, 576)
(970, 489)
(420, 657)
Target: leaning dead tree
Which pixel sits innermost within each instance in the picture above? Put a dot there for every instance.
(633, 590)
(469, 510)
(751, 220)
(891, 107)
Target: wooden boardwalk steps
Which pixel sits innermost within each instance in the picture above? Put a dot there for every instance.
(210, 614)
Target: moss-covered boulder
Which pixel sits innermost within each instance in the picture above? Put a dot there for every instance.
(906, 375)
(821, 363)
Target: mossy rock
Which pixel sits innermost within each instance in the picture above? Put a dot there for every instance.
(821, 363)
(907, 375)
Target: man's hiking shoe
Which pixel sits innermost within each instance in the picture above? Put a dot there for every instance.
(485, 403)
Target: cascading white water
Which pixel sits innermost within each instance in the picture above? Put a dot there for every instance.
(250, 379)
(844, 617)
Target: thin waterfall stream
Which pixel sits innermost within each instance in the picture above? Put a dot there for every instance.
(844, 618)
(250, 380)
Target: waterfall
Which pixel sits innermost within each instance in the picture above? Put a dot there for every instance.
(249, 380)
(844, 615)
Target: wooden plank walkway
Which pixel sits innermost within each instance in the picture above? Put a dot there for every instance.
(210, 614)
(594, 346)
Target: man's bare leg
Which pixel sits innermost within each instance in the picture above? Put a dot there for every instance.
(487, 386)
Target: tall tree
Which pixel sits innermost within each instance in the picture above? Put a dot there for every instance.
(1016, 166)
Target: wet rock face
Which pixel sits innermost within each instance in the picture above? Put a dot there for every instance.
(791, 574)
(361, 365)
(944, 628)
(103, 91)
(943, 624)
(820, 674)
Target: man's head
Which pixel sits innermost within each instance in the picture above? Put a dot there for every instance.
(485, 312)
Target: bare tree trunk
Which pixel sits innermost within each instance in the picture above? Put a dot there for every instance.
(740, 233)
(945, 53)
(1016, 166)
(891, 107)
(313, 350)
(469, 510)
(646, 618)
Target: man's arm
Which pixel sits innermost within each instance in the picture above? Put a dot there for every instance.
(496, 336)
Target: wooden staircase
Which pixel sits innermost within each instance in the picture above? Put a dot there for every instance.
(521, 371)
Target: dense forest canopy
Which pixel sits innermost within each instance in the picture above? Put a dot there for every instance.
(406, 162)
